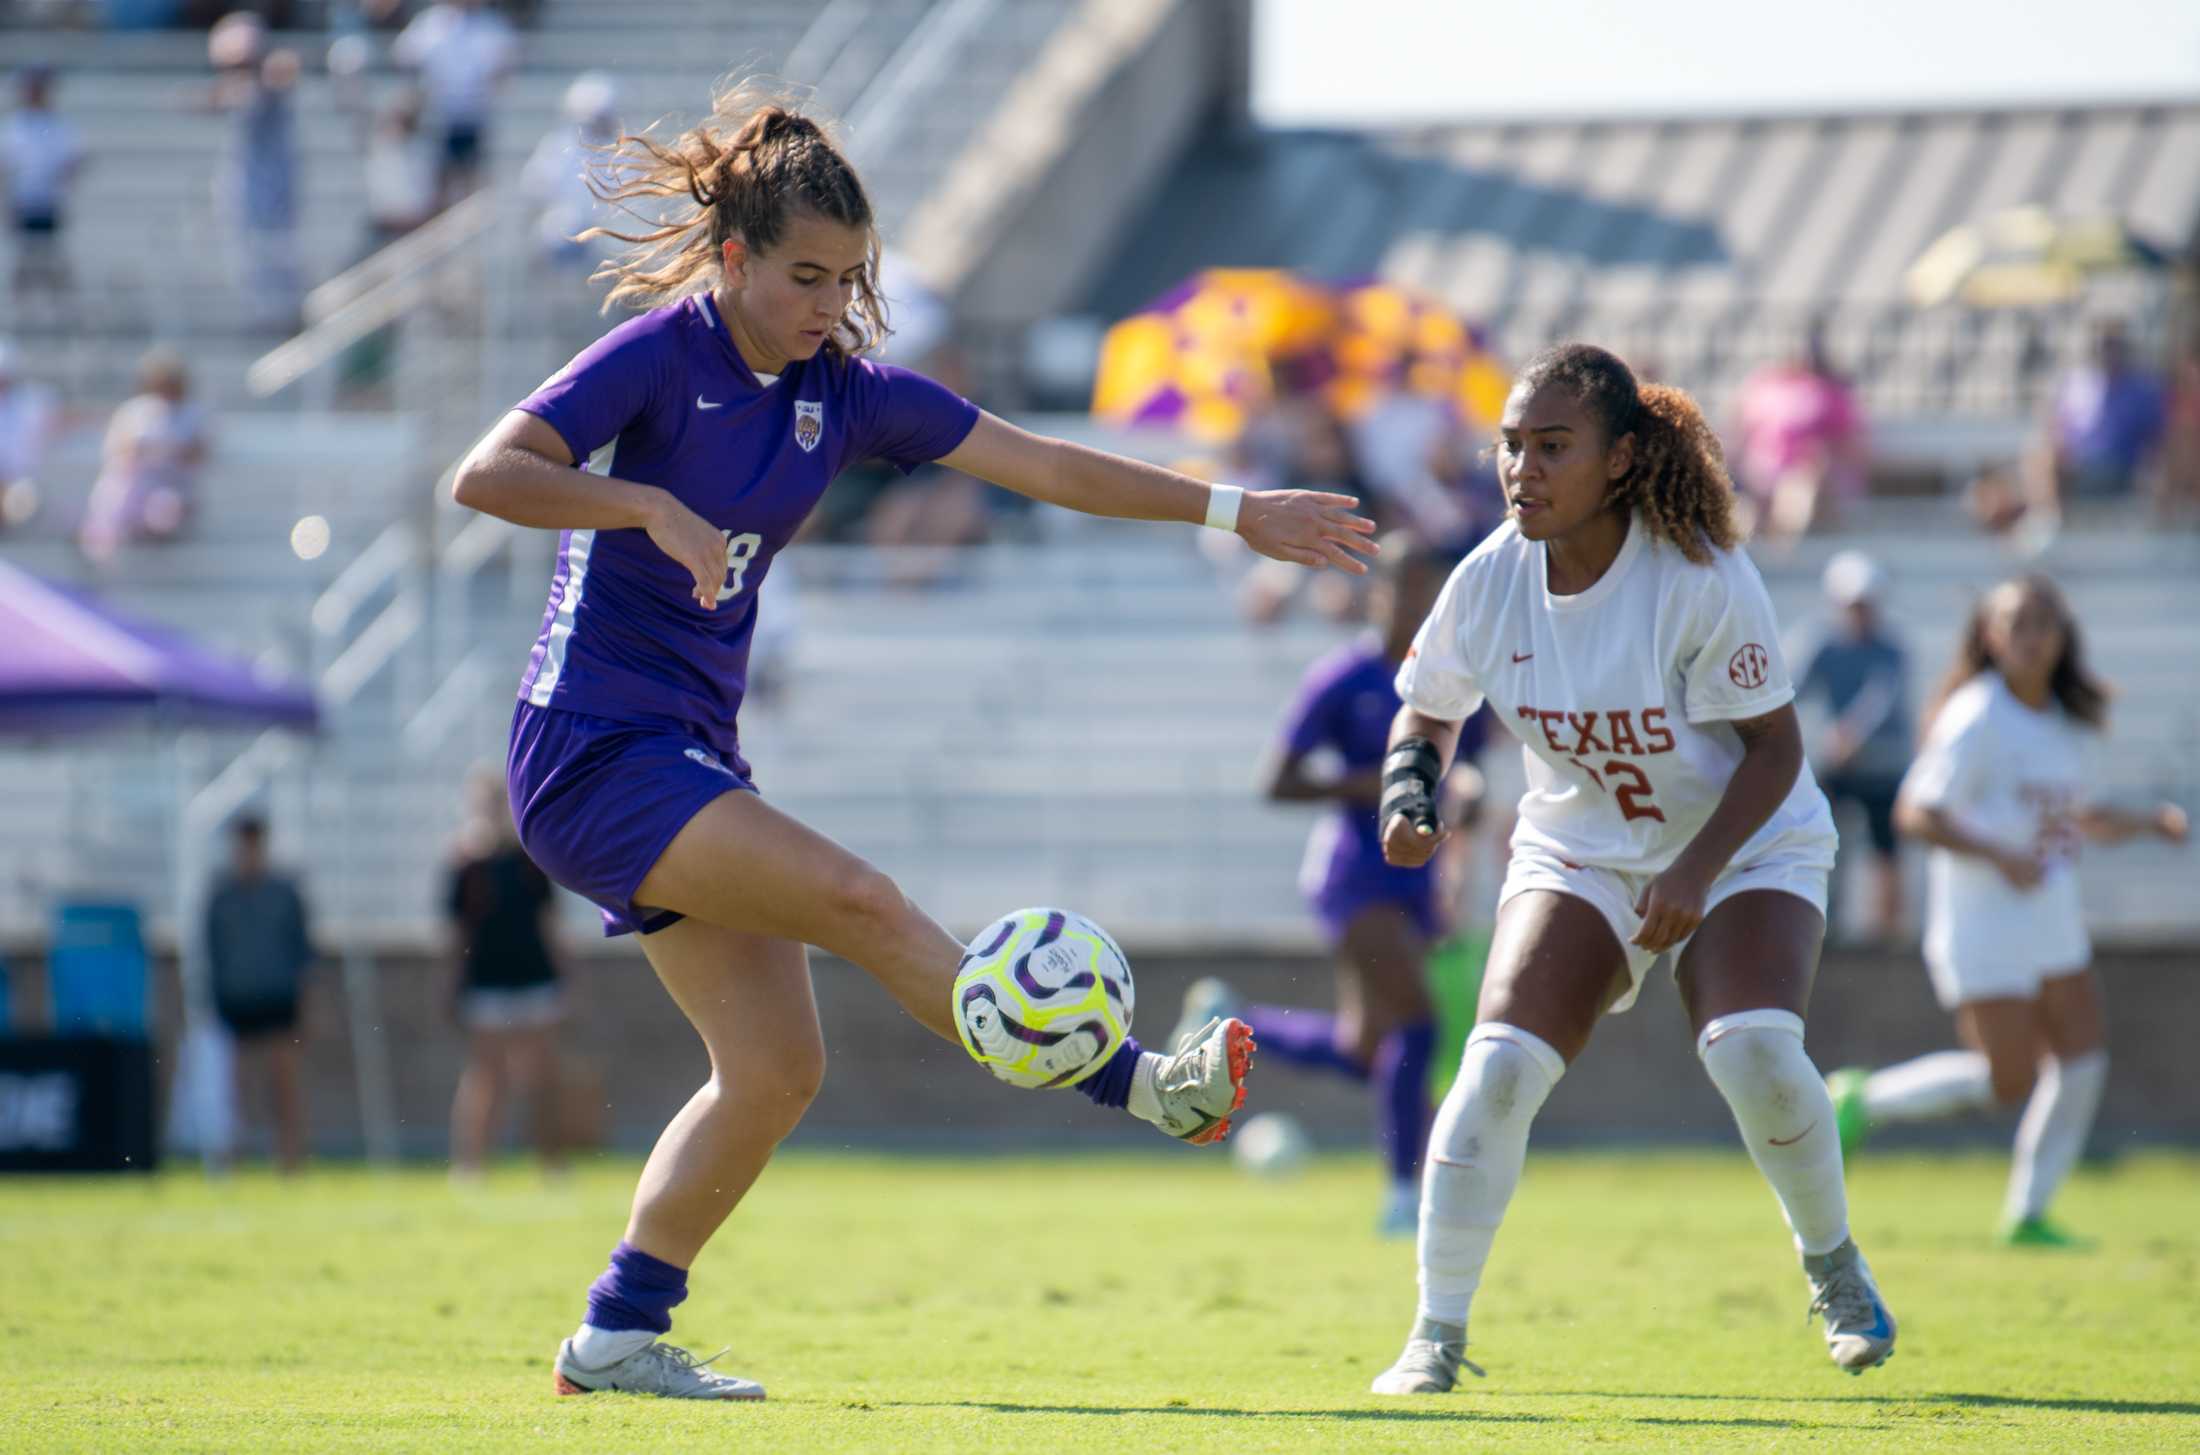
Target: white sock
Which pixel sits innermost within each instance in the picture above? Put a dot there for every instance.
(1779, 1101)
(1941, 1084)
(1475, 1152)
(1145, 1102)
(595, 1348)
(2053, 1131)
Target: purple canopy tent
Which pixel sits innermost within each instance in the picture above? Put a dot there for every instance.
(68, 663)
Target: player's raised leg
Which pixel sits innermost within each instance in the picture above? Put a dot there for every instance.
(1997, 1066)
(1745, 978)
(743, 864)
(748, 996)
(1554, 965)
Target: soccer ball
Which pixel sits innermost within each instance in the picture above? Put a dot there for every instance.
(1042, 998)
(1271, 1145)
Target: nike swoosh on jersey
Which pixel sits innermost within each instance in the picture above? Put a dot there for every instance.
(702, 403)
(1519, 657)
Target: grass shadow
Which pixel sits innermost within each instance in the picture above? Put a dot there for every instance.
(2075, 1406)
(1467, 1416)
(1977, 1401)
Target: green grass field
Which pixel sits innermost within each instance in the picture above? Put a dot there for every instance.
(1105, 1304)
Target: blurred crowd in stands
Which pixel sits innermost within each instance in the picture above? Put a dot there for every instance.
(421, 82)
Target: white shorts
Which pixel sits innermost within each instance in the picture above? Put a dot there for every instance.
(1801, 872)
(2004, 951)
(527, 1009)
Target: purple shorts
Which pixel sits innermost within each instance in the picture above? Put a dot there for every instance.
(1345, 891)
(597, 802)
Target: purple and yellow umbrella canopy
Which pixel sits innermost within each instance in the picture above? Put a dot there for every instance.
(1211, 353)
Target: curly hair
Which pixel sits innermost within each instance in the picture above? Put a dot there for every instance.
(745, 169)
(2072, 684)
(1678, 482)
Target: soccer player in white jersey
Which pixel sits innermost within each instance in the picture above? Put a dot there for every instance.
(2000, 794)
(1615, 626)
(727, 410)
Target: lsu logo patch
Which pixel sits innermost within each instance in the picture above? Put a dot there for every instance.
(1749, 665)
(809, 423)
(697, 755)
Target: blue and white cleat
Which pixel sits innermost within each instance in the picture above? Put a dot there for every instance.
(1209, 998)
(661, 1369)
(1859, 1330)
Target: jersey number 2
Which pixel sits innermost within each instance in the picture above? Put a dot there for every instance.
(740, 550)
(1634, 792)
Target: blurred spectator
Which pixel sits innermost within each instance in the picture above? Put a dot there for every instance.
(1322, 458)
(504, 981)
(1804, 449)
(256, 184)
(28, 419)
(42, 157)
(258, 949)
(463, 53)
(148, 478)
(400, 173)
(1859, 669)
(2102, 431)
(556, 178)
(1454, 500)
(2178, 502)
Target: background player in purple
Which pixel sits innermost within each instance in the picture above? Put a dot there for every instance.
(724, 412)
(1379, 918)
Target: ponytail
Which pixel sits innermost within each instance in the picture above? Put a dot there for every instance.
(741, 174)
(1678, 482)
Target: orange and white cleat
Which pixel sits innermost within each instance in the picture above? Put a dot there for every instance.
(1197, 1090)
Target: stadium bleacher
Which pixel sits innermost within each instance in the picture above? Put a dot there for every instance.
(1076, 718)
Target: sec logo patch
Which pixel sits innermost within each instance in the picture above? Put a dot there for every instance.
(1749, 665)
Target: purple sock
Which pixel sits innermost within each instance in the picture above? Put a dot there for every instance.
(636, 1292)
(1111, 1084)
(1401, 1097)
(1302, 1037)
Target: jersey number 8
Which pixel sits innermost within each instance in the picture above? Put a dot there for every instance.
(740, 550)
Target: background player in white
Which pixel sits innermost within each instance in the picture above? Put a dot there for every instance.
(728, 410)
(2000, 795)
(1615, 626)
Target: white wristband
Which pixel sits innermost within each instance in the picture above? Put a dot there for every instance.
(1222, 506)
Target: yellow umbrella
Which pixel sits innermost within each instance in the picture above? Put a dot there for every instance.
(2025, 257)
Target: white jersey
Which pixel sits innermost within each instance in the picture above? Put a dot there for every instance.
(1623, 695)
(2014, 776)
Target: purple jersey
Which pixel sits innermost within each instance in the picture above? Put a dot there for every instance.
(1345, 704)
(622, 638)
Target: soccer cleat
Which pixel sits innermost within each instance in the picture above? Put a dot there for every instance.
(1859, 1330)
(1433, 1357)
(661, 1369)
(1209, 998)
(1204, 1082)
(1846, 1087)
(2038, 1232)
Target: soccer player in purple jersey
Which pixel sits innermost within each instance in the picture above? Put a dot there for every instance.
(725, 412)
(1380, 918)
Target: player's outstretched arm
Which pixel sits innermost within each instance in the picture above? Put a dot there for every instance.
(1413, 770)
(1307, 527)
(2105, 824)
